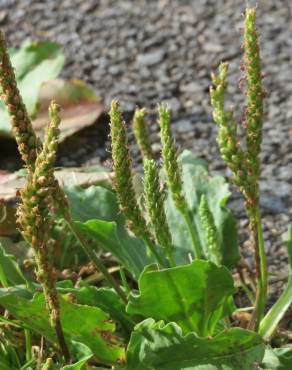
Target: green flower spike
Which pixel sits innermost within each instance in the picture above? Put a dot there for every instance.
(255, 93)
(173, 173)
(21, 124)
(154, 198)
(210, 231)
(229, 145)
(141, 133)
(123, 182)
(245, 164)
(35, 220)
(254, 122)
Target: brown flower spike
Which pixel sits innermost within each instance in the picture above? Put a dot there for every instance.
(36, 222)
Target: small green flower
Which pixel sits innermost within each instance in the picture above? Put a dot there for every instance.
(123, 181)
(154, 198)
(254, 94)
(245, 164)
(141, 133)
(170, 162)
(210, 231)
(174, 176)
(229, 145)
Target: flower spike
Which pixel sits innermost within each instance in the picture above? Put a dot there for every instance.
(36, 223)
(154, 198)
(141, 133)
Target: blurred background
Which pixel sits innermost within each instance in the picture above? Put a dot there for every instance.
(145, 52)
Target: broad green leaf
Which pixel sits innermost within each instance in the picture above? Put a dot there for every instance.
(104, 298)
(128, 250)
(94, 202)
(197, 181)
(85, 324)
(156, 346)
(194, 296)
(277, 359)
(34, 64)
(10, 272)
(98, 206)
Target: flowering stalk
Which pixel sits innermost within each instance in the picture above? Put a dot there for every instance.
(29, 145)
(21, 124)
(229, 145)
(173, 173)
(36, 224)
(254, 122)
(245, 164)
(123, 183)
(154, 198)
(141, 133)
(210, 231)
(27, 141)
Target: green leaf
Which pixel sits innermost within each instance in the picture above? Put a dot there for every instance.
(156, 346)
(197, 181)
(10, 272)
(277, 359)
(34, 64)
(78, 365)
(194, 296)
(94, 202)
(104, 298)
(128, 250)
(85, 324)
(98, 206)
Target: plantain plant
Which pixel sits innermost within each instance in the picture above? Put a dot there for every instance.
(172, 306)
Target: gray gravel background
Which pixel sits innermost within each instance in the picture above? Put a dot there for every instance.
(144, 52)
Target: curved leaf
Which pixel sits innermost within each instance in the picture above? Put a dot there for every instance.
(195, 296)
(10, 272)
(81, 323)
(156, 346)
(128, 250)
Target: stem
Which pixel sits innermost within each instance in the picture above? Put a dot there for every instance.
(28, 353)
(124, 280)
(153, 249)
(244, 286)
(270, 322)
(261, 269)
(98, 263)
(194, 234)
(169, 254)
(45, 275)
(61, 339)
(276, 313)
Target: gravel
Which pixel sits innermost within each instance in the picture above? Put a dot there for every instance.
(144, 52)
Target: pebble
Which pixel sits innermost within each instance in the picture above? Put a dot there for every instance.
(151, 58)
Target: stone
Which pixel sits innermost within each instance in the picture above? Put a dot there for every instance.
(150, 58)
